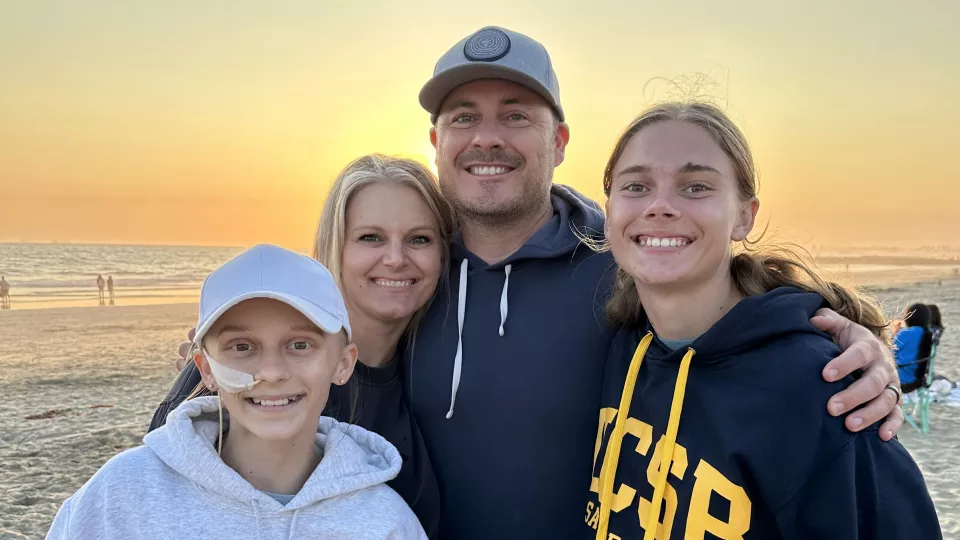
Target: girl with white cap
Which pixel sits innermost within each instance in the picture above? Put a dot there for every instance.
(272, 336)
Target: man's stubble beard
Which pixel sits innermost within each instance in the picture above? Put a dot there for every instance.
(490, 212)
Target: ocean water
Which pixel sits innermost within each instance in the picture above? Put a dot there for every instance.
(65, 275)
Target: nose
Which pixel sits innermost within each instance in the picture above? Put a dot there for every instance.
(487, 134)
(662, 205)
(272, 366)
(394, 256)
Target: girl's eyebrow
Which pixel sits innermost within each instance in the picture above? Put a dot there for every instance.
(307, 328)
(689, 167)
(232, 328)
(694, 167)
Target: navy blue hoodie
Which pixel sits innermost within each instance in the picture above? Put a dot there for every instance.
(756, 455)
(511, 446)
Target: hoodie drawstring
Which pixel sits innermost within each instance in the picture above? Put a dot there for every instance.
(461, 308)
(612, 455)
(458, 360)
(293, 524)
(503, 299)
(256, 512)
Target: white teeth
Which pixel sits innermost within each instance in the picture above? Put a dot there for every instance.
(271, 402)
(649, 241)
(488, 170)
(391, 283)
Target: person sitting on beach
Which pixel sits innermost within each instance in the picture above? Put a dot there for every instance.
(273, 334)
(383, 233)
(912, 346)
(707, 424)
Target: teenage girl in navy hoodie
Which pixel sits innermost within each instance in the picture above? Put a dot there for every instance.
(706, 428)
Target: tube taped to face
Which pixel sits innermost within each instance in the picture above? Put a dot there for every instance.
(230, 379)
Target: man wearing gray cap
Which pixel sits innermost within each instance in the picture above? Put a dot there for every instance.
(505, 372)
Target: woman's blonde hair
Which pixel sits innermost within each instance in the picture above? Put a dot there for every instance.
(331, 230)
(378, 169)
(755, 270)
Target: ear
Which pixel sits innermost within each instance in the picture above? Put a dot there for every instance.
(606, 219)
(348, 360)
(433, 137)
(745, 219)
(200, 360)
(560, 139)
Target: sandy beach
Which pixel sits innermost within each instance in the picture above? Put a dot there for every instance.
(81, 384)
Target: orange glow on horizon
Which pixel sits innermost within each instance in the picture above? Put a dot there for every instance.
(186, 124)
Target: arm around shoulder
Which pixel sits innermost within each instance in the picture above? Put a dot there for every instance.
(868, 489)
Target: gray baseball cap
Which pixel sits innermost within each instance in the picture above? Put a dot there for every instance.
(493, 53)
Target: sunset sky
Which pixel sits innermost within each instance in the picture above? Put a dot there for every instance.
(224, 122)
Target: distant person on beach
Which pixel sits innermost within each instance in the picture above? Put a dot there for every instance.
(383, 233)
(100, 285)
(4, 293)
(110, 287)
(912, 345)
(708, 380)
(505, 372)
(272, 337)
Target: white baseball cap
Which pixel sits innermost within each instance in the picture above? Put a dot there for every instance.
(267, 271)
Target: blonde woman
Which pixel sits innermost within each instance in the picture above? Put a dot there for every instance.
(384, 234)
(711, 423)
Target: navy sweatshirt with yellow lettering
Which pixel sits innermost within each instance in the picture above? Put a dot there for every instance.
(740, 416)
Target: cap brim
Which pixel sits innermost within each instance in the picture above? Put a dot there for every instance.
(436, 90)
(317, 315)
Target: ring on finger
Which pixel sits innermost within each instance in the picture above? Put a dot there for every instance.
(896, 391)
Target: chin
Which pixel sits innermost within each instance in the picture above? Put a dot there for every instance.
(398, 308)
(399, 313)
(656, 277)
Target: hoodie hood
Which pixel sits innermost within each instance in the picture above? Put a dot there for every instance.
(754, 322)
(574, 217)
(353, 459)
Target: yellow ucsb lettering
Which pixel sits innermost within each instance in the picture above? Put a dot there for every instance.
(707, 482)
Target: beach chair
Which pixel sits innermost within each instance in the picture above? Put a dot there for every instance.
(917, 412)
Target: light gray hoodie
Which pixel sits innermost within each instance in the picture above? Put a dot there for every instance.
(178, 487)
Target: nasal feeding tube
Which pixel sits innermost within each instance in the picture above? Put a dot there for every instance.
(229, 379)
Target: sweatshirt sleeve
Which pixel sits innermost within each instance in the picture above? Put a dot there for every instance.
(870, 489)
(60, 528)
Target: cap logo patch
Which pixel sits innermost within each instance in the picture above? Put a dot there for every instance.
(487, 45)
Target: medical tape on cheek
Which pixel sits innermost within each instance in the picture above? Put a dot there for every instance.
(230, 379)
